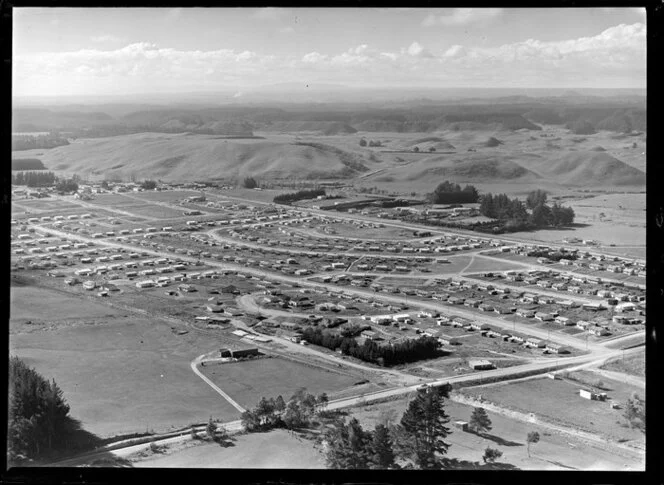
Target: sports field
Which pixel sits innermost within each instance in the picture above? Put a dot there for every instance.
(246, 382)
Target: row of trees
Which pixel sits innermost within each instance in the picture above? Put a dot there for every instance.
(249, 183)
(450, 193)
(38, 414)
(273, 413)
(34, 179)
(514, 212)
(289, 198)
(31, 142)
(370, 351)
(27, 164)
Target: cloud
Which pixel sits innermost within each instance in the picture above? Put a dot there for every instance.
(417, 50)
(463, 16)
(286, 30)
(614, 57)
(174, 13)
(270, 13)
(313, 57)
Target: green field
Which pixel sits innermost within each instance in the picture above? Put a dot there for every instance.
(246, 382)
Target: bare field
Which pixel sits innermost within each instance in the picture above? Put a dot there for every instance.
(248, 381)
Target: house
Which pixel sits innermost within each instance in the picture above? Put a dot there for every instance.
(544, 317)
(564, 321)
(462, 425)
(479, 326)
(598, 331)
(556, 348)
(486, 308)
(534, 342)
(594, 396)
(480, 364)
(582, 324)
(522, 312)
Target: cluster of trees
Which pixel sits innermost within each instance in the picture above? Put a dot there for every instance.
(27, 164)
(450, 193)
(385, 355)
(34, 179)
(249, 183)
(417, 440)
(273, 413)
(552, 255)
(515, 213)
(287, 199)
(635, 412)
(67, 185)
(371, 143)
(146, 185)
(31, 142)
(38, 414)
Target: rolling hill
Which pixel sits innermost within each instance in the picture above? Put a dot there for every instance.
(198, 157)
(589, 168)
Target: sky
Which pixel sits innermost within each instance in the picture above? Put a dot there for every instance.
(122, 51)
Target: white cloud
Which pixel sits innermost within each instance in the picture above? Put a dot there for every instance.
(314, 57)
(463, 16)
(613, 57)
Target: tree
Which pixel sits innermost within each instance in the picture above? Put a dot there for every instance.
(211, 429)
(424, 423)
(249, 183)
(38, 413)
(149, 185)
(416, 149)
(104, 185)
(67, 186)
(533, 437)
(536, 198)
(480, 421)
(541, 216)
(382, 452)
(635, 412)
(432, 149)
(491, 455)
(348, 446)
(279, 404)
(322, 400)
(250, 421)
(363, 142)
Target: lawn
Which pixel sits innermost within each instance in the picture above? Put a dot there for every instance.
(246, 382)
(559, 401)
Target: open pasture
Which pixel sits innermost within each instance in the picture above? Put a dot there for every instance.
(124, 373)
(559, 401)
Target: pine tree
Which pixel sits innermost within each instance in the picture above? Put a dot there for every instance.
(480, 421)
(424, 421)
(382, 452)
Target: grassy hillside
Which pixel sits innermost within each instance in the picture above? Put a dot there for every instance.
(197, 157)
(590, 168)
